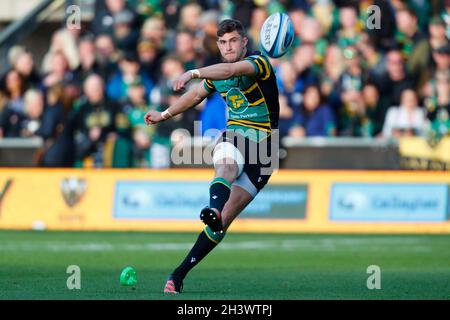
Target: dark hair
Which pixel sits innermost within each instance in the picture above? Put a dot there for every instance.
(230, 25)
(172, 57)
(315, 85)
(88, 37)
(129, 56)
(351, 5)
(21, 81)
(409, 10)
(186, 31)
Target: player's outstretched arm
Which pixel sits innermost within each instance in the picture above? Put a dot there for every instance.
(191, 98)
(220, 71)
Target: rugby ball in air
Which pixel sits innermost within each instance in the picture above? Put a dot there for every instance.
(277, 35)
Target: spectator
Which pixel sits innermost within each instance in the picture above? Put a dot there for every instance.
(315, 118)
(171, 68)
(286, 120)
(211, 51)
(242, 11)
(59, 71)
(46, 122)
(259, 15)
(395, 80)
(350, 28)
(148, 8)
(125, 33)
(172, 13)
(150, 59)
(286, 79)
(14, 91)
(333, 67)
(58, 150)
(63, 42)
(42, 121)
(311, 32)
(441, 58)
(414, 45)
(24, 124)
(445, 14)
(436, 92)
(106, 56)
(163, 96)
(408, 119)
(350, 89)
(142, 135)
(373, 59)
(382, 36)
(372, 119)
(103, 21)
(88, 64)
(13, 54)
(360, 73)
(26, 68)
(129, 71)
(3, 101)
(11, 122)
(437, 103)
(190, 17)
(322, 11)
(94, 126)
(436, 30)
(423, 11)
(296, 14)
(154, 30)
(208, 23)
(303, 63)
(34, 109)
(185, 49)
(289, 98)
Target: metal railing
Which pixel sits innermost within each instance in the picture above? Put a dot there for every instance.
(20, 29)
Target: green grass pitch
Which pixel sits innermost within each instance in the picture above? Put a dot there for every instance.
(245, 266)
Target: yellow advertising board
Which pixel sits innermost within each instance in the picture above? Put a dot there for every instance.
(162, 200)
(418, 153)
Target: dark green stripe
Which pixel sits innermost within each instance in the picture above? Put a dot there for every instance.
(252, 123)
(221, 180)
(215, 236)
(207, 88)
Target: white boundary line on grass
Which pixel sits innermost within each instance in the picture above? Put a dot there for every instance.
(389, 244)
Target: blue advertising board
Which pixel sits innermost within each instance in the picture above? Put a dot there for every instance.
(184, 200)
(389, 202)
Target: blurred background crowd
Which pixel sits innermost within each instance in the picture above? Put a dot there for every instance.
(347, 74)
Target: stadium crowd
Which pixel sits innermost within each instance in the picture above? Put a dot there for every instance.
(345, 75)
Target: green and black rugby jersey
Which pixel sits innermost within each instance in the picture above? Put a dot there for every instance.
(252, 100)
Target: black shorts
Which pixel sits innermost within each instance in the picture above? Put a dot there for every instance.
(259, 163)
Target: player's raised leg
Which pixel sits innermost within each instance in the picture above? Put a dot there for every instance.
(228, 164)
(239, 199)
(208, 240)
(219, 193)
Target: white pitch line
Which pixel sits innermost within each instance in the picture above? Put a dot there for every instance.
(324, 244)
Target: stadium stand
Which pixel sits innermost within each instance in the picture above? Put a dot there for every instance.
(377, 86)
